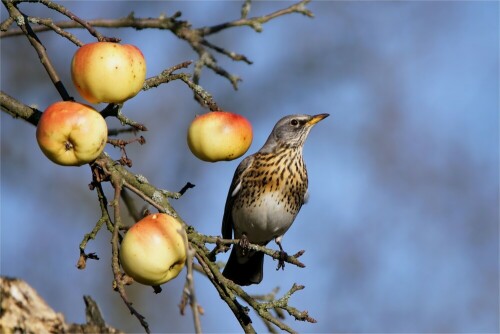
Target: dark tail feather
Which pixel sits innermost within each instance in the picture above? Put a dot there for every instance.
(250, 272)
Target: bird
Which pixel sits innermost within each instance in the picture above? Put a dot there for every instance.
(266, 193)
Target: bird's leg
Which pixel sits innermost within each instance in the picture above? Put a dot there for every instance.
(244, 244)
(282, 256)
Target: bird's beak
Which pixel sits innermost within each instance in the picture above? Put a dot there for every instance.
(316, 118)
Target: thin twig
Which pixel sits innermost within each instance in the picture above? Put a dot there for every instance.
(161, 23)
(256, 22)
(189, 290)
(226, 294)
(130, 205)
(105, 219)
(245, 8)
(23, 23)
(118, 282)
(6, 23)
(115, 110)
(122, 143)
(146, 198)
(292, 259)
(50, 24)
(63, 10)
(165, 76)
(187, 186)
(196, 38)
(178, 194)
(19, 110)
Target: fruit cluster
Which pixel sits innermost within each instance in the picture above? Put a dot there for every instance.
(74, 134)
(153, 250)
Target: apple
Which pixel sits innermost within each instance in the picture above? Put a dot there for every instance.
(153, 250)
(108, 72)
(71, 134)
(219, 135)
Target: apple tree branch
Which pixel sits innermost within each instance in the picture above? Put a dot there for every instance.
(106, 171)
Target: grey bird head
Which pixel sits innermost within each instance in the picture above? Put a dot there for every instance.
(291, 131)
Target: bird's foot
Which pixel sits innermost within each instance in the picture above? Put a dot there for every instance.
(282, 256)
(244, 244)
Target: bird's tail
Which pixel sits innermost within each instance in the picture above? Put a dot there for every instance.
(251, 271)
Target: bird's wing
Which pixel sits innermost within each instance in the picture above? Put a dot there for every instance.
(227, 220)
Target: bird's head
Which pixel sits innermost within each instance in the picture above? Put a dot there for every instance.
(291, 131)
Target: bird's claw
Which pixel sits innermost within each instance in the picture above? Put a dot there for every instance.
(244, 244)
(281, 260)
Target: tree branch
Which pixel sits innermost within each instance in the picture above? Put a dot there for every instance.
(19, 110)
(23, 23)
(105, 169)
(119, 282)
(195, 37)
(63, 10)
(256, 22)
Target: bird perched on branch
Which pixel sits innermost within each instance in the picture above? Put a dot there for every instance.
(266, 193)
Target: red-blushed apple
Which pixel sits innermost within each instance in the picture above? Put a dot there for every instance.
(71, 134)
(219, 135)
(108, 72)
(153, 250)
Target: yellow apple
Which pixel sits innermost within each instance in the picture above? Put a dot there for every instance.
(219, 135)
(153, 250)
(108, 72)
(71, 134)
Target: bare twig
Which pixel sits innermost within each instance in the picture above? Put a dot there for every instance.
(115, 110)
(118, 282)
(151, 200)
(188, 185)
(82, 260)
(195, 37)
(165, 76)
(292, 259)
(121, 143)
(161, 23)
(189, 290)
(105, 219)
(201, 95)
(229, 54)
(127, 199)
(256, 22)
(6, 23)
(63, 10)
(50, 24)
(19, 110)
(177, 195)
(220, 284)
(22, 22)
(245, 9)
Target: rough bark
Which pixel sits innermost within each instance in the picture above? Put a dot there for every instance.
(22, 310)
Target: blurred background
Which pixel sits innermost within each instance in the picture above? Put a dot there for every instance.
(401, 229)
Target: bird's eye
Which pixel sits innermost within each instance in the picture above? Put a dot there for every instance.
(294, 122)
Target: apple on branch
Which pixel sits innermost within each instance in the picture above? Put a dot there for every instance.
(153, 250)
(108, 72)
(219, 135)
(71, 134)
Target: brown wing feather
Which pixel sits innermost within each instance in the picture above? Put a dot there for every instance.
(227, 219)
